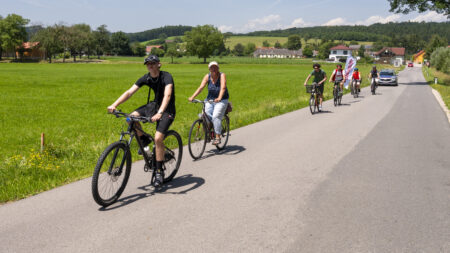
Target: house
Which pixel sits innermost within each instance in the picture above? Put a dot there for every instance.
(148, 49)
(391, 55)
(419, 57)
(270, 52)
(30, 51)
(339, 52)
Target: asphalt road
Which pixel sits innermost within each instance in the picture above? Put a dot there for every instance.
(372, 175)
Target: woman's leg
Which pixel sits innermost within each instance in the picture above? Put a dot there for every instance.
(219, 111)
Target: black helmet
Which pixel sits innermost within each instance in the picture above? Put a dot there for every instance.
(151, 58)
(339, 65)
(356, 69)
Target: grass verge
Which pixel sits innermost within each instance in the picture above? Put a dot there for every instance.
(443, 84)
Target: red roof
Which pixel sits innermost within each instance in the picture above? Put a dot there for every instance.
(395, 50)
(340, 47)
(419, 53)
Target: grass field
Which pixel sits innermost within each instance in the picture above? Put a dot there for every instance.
(68, 103)
(443, 85)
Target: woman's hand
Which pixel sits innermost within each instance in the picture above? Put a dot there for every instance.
(217, 100)
(191, 98)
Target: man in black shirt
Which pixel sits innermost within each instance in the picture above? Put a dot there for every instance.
(161, 82)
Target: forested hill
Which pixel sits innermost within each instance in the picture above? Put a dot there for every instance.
(373, 32)
(157, 32)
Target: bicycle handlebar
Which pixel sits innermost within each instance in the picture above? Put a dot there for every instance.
(201, 101)
(120, 114)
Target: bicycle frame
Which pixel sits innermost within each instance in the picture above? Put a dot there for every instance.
(207, 122)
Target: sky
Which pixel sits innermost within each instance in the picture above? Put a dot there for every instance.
(237, 16)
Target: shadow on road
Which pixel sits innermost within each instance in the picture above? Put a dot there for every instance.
(167, 188)
(416, 83)
(343, 104)
(228, 150)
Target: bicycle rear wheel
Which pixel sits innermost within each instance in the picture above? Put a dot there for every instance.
(173, 153)
(197, 139)
(111, 173)
(225, 132)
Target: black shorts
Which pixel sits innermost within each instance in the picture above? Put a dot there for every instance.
(320, 88)
(163, 124)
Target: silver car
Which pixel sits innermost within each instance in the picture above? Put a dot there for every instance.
(388, 77)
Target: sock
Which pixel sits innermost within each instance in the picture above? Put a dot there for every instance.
(159, 166)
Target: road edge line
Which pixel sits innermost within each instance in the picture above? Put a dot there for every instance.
(439, 99)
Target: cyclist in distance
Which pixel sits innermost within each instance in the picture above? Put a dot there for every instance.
(217, 91)
(338, 77)
(356, 77)
(161, 82)
(374, 73)
(320, 78)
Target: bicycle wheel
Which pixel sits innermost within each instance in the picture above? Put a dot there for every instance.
(111, 173)
(340, 99)
(225, 132)
(317, 103)
(173, 154)
(312, 104)
(197, 139)
(335, 96)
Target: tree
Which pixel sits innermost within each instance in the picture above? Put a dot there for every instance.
(250, 48)
(172, 51)
(239, 49)
(203, 40)
(120, 43)
(308, 51)
(102, 40)
(12, 32)
(1, 31)
(440, 59)
(138, 49)
(157, 51)
(277, 44)
(266, 44)
(361, 51)
(324, 50)
(50, 40)
(294, 42)
(406, 6)
(82, 39)
(435, 42)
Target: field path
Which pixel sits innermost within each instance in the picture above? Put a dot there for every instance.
(369, 176)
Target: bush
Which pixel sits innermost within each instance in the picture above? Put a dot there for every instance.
(440, 59)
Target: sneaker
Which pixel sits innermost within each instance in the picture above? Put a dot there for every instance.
(216, 142)
(320, 107)
(158, 179)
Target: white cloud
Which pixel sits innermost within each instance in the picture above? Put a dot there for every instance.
(225, 28)
(269, 22)
(336, 21)
(379, 19)
(431, 16)
(299, 22)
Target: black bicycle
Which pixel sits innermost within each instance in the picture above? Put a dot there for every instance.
(114, 165)
(202, 132)
(337, 95)
(314, 100)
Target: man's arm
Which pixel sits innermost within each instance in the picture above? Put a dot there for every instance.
(167, 94)
(307, 79)
(323, 80)
(124, 97)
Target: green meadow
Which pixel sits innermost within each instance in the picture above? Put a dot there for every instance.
(67, 102)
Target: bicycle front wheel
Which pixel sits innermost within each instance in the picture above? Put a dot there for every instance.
(225, 132)
(197, 139)
(312, 105)
(111, 174)
(173, 153)
(335, 95)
